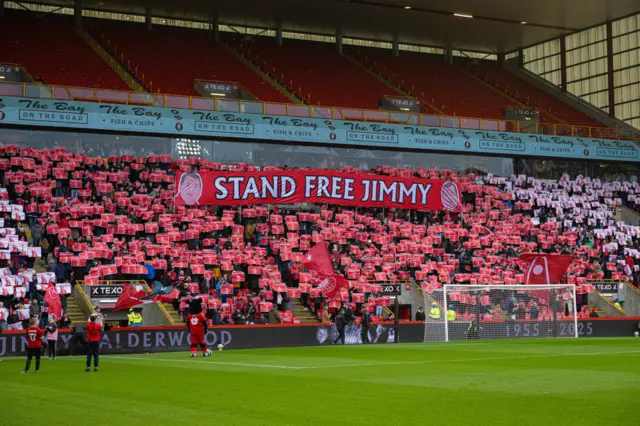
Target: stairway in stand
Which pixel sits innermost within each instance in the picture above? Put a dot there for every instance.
(175, 315)
(112, 62)
(76, 315)
(305, 317)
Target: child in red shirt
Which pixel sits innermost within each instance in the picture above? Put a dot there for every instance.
(34, 345)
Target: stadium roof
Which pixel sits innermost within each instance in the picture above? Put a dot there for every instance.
(497, 25)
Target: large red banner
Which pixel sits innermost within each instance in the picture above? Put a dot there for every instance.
(232, 188)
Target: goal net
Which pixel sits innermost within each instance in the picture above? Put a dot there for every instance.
(473, 312)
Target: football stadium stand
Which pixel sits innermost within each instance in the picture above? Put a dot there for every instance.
(442, 88)
(109, 218)
(63, 59)
(453, 90)
(169, 60)
(78, 218)
(552, 109)
(315, 72)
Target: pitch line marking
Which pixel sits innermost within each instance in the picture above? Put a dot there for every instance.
(240, 364)
(370, 364)
(468, 359)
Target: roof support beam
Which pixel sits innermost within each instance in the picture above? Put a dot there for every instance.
(396, 45)
(279, 31)
(147, 18)
(448, 54)
(214, 26)
(610, 79)
(563, 63)
(77, 13)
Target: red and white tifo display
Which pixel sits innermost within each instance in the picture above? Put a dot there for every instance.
(105, 218)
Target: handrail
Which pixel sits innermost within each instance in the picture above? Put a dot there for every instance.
(428, 296)
(629, 209)
(84, 296)
(216, 81)
(619, 309)
(160, 305)
(628, 284)
(309, 111)
(114, 282)
(165, 312)
(620, 281)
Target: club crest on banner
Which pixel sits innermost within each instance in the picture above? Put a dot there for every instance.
(328, 285)
(538, 270)
(450, 196)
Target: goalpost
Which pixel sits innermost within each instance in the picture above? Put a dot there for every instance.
(487, 312)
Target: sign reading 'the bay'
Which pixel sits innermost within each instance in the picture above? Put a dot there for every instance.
(173, 121)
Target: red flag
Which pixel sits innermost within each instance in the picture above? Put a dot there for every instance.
(129, 298)
(332, 285)
(52, 299)
(317, 260)
(545, 268)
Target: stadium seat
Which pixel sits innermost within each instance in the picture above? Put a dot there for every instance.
(552, 110)
(438, 84)
(315, 72)
(52, 52)
(169, 59)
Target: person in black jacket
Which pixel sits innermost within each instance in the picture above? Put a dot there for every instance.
(238, 317)
(65, 322)
(78, 336)
(348, 314)
(420, 316)
(250, 312)
(340, 325)
(365, 322)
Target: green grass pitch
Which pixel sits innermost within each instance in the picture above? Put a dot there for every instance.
(525, 382)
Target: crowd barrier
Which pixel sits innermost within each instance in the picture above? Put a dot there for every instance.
(176, 338)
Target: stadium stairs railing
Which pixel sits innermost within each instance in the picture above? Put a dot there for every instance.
(428, 299)
(627, 215)
(84, 94)
(161, 307)
(604, 303)
(114, 282)
(630, 296)
(82, 299)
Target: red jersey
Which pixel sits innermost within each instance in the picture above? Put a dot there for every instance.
(34, 337)
(93, 332)
(197, 324)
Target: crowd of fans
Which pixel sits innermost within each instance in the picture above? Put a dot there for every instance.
(21, 287)
(114, 218)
